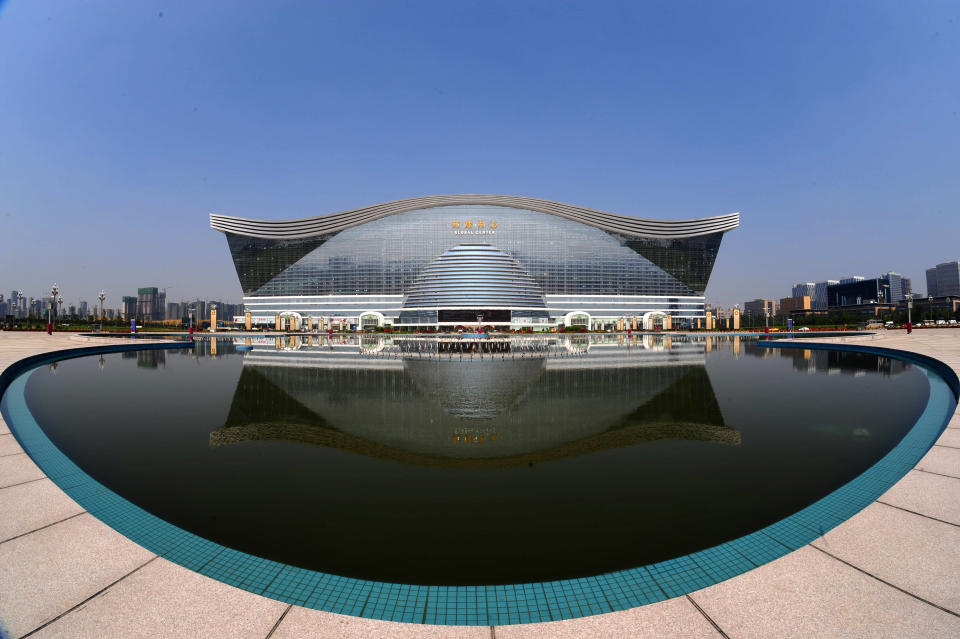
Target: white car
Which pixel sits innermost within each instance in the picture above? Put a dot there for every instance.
(804, 328)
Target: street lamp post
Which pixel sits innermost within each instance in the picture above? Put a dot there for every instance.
(19, 302)
(53, 300)
(102, 296)
(59, 305)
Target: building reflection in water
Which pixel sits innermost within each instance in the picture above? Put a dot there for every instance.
(475, 403)
(840, 362)
(154, 358)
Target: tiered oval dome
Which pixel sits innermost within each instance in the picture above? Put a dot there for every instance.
(474, 276)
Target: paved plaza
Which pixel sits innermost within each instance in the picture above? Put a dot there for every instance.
(892, 570)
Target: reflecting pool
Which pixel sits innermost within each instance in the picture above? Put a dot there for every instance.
(475, 461)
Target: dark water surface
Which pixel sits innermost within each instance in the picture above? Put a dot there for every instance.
(405, 461)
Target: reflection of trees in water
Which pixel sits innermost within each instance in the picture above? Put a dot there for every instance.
(615, 408)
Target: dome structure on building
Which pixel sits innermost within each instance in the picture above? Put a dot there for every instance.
(474, 276)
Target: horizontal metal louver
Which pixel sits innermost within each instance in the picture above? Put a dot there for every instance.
(611, 222)
(474, 275)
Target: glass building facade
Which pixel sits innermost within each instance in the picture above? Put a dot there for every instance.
(527, 262)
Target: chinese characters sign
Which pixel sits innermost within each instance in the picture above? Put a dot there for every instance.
(474, 227)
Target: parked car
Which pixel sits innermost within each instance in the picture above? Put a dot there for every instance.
(804, 328)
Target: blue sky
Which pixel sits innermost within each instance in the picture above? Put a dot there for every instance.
(833, 127)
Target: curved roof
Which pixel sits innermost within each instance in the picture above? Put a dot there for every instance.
(336, 222)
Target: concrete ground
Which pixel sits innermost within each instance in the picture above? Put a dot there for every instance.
(892, 570)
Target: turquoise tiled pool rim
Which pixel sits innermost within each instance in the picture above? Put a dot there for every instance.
(479, 605)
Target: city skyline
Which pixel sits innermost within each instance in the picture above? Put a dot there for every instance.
(795, 291)
(783, 290)
(124, 126)
(36, 307)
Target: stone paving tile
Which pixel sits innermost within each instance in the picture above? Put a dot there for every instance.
(941, 460)
(809, 594)
(33, 505)
(16, 469)
(4, 429)
(9, 445)
(909, 551)
(955, 420)
(950, 437)
(302, 622)
(672, 618)
(162, 600)
(51, 570)
(927, 494)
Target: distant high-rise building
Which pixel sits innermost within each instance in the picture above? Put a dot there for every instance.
(225, 311)
(858, 292)
(895, 283)
(151, 304)
(794, 304)
(760, 307)
(907, 284)
(83, 308)
(10, 305)
(128, 307)
(852, 279)
(819, 300)
(932, 289)
(173, 310)
(804, 288)
(944, 279)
